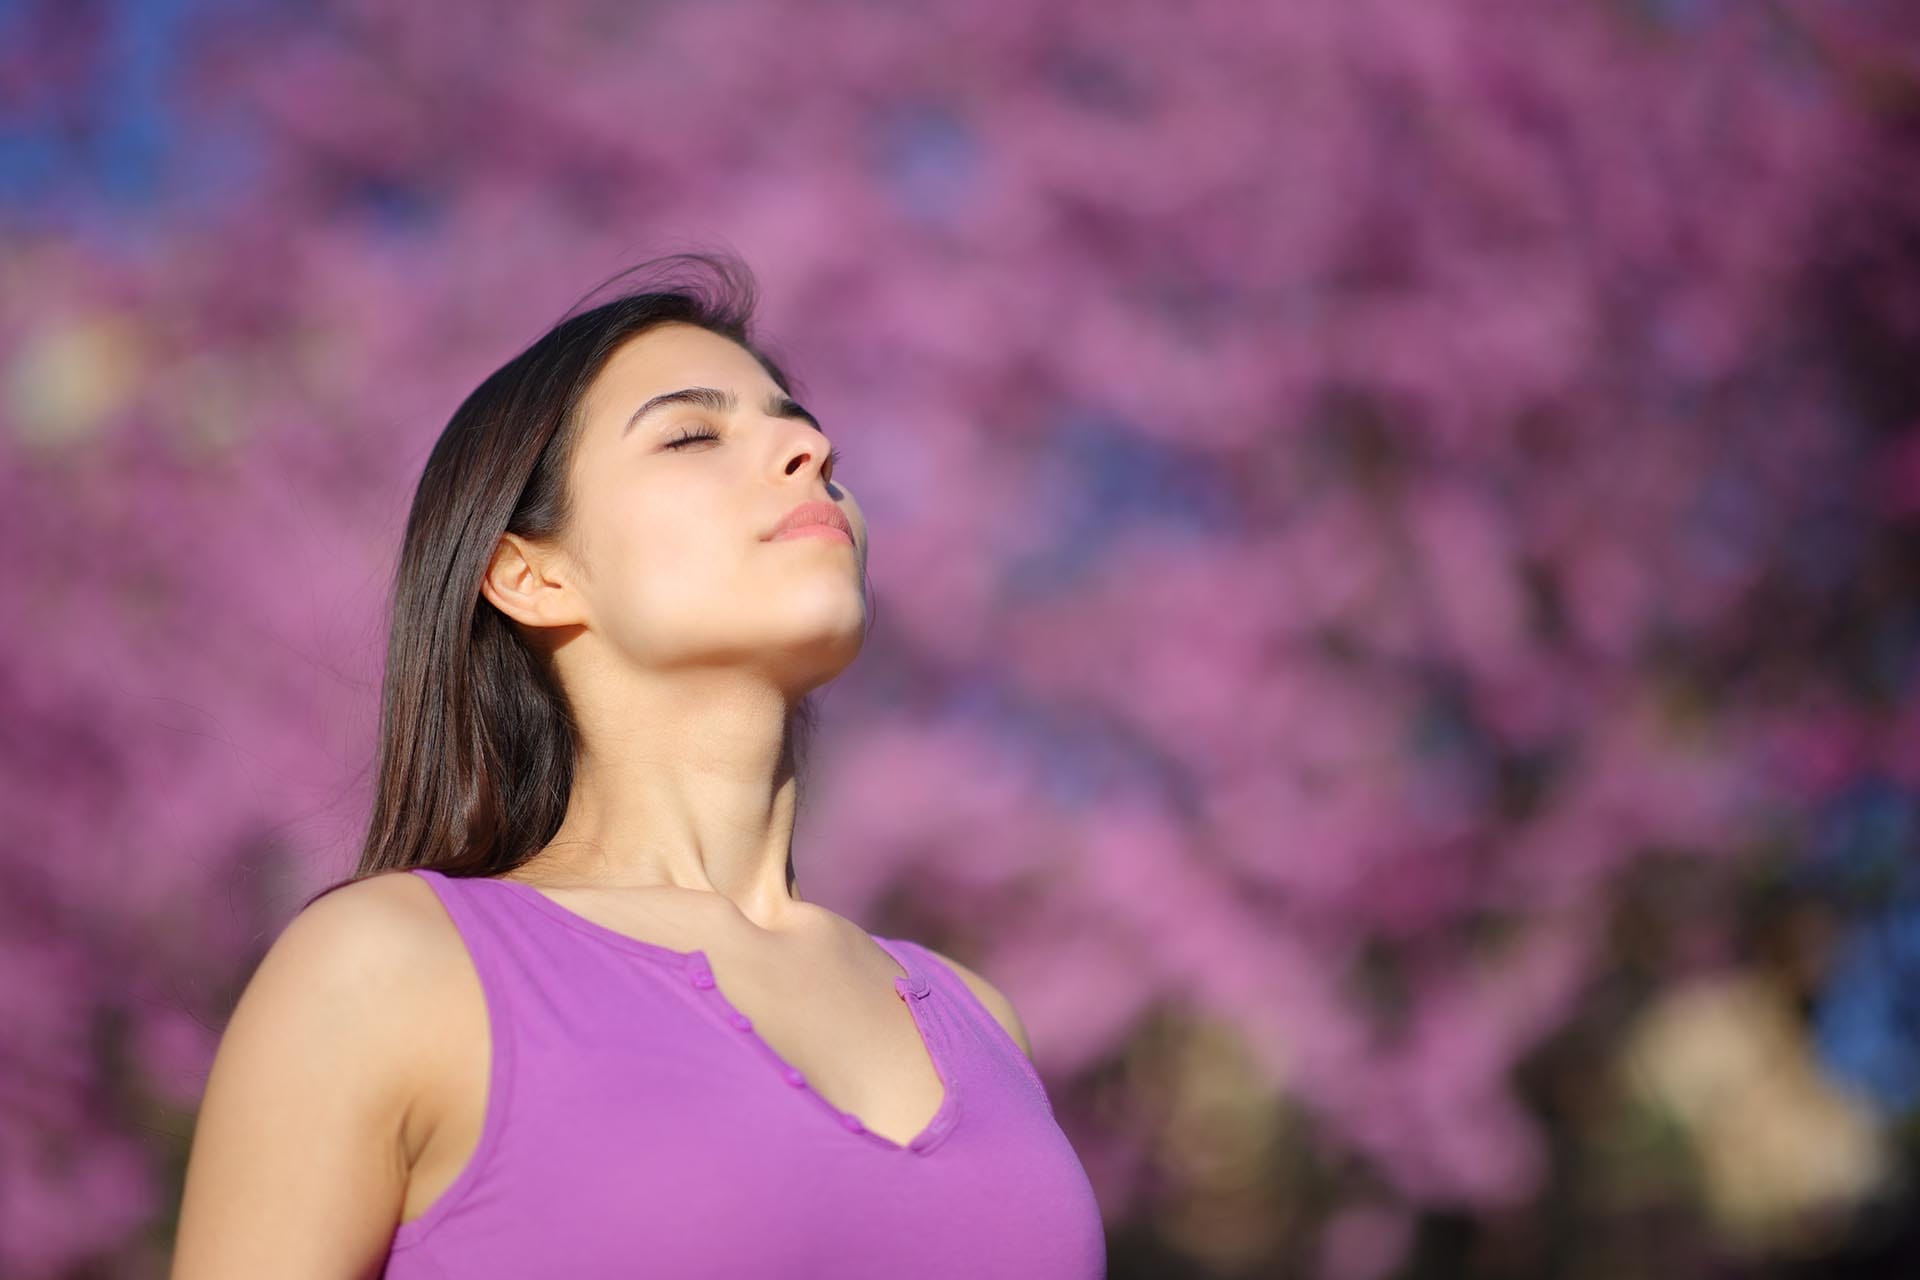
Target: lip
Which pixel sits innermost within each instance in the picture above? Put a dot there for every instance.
(813, 531)
(812, 520)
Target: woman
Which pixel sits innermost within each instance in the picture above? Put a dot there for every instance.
(571, 1016)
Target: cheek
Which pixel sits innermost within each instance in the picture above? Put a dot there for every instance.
(662, 566)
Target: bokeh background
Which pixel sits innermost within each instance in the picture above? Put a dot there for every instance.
(1394, 543)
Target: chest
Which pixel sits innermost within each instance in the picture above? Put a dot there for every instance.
(829, 1014)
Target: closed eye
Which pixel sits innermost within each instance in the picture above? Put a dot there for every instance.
(690, 436)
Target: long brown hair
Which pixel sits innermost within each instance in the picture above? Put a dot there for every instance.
(476, 745)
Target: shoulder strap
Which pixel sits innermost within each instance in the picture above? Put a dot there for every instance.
(474, 917)
(988, 1038)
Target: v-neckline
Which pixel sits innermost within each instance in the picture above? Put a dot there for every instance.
(912, 986)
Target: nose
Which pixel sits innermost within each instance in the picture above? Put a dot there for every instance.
(809, 447)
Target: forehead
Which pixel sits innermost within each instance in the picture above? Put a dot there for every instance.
(670, 357)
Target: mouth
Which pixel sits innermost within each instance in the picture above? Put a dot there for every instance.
(811, 520)
(831, 533)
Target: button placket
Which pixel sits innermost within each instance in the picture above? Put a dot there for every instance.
(913, 987)
(694, 967)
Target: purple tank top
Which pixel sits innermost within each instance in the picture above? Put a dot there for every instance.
(637, 1125)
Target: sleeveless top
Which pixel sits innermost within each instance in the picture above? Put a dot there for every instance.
(637, 1125)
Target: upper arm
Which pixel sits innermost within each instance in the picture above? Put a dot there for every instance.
(297, 1166)
(992, 997)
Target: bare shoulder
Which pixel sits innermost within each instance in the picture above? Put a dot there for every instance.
(396, 898)
(299, 1148)
(366, 965)
(991, 996)
(363, 947)
(387, 941)
(385, 935)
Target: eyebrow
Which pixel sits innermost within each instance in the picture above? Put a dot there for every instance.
(778, 405)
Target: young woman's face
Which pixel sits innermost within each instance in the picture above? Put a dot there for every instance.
(674, 512)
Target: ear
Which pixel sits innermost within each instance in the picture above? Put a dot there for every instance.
(532, 584)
